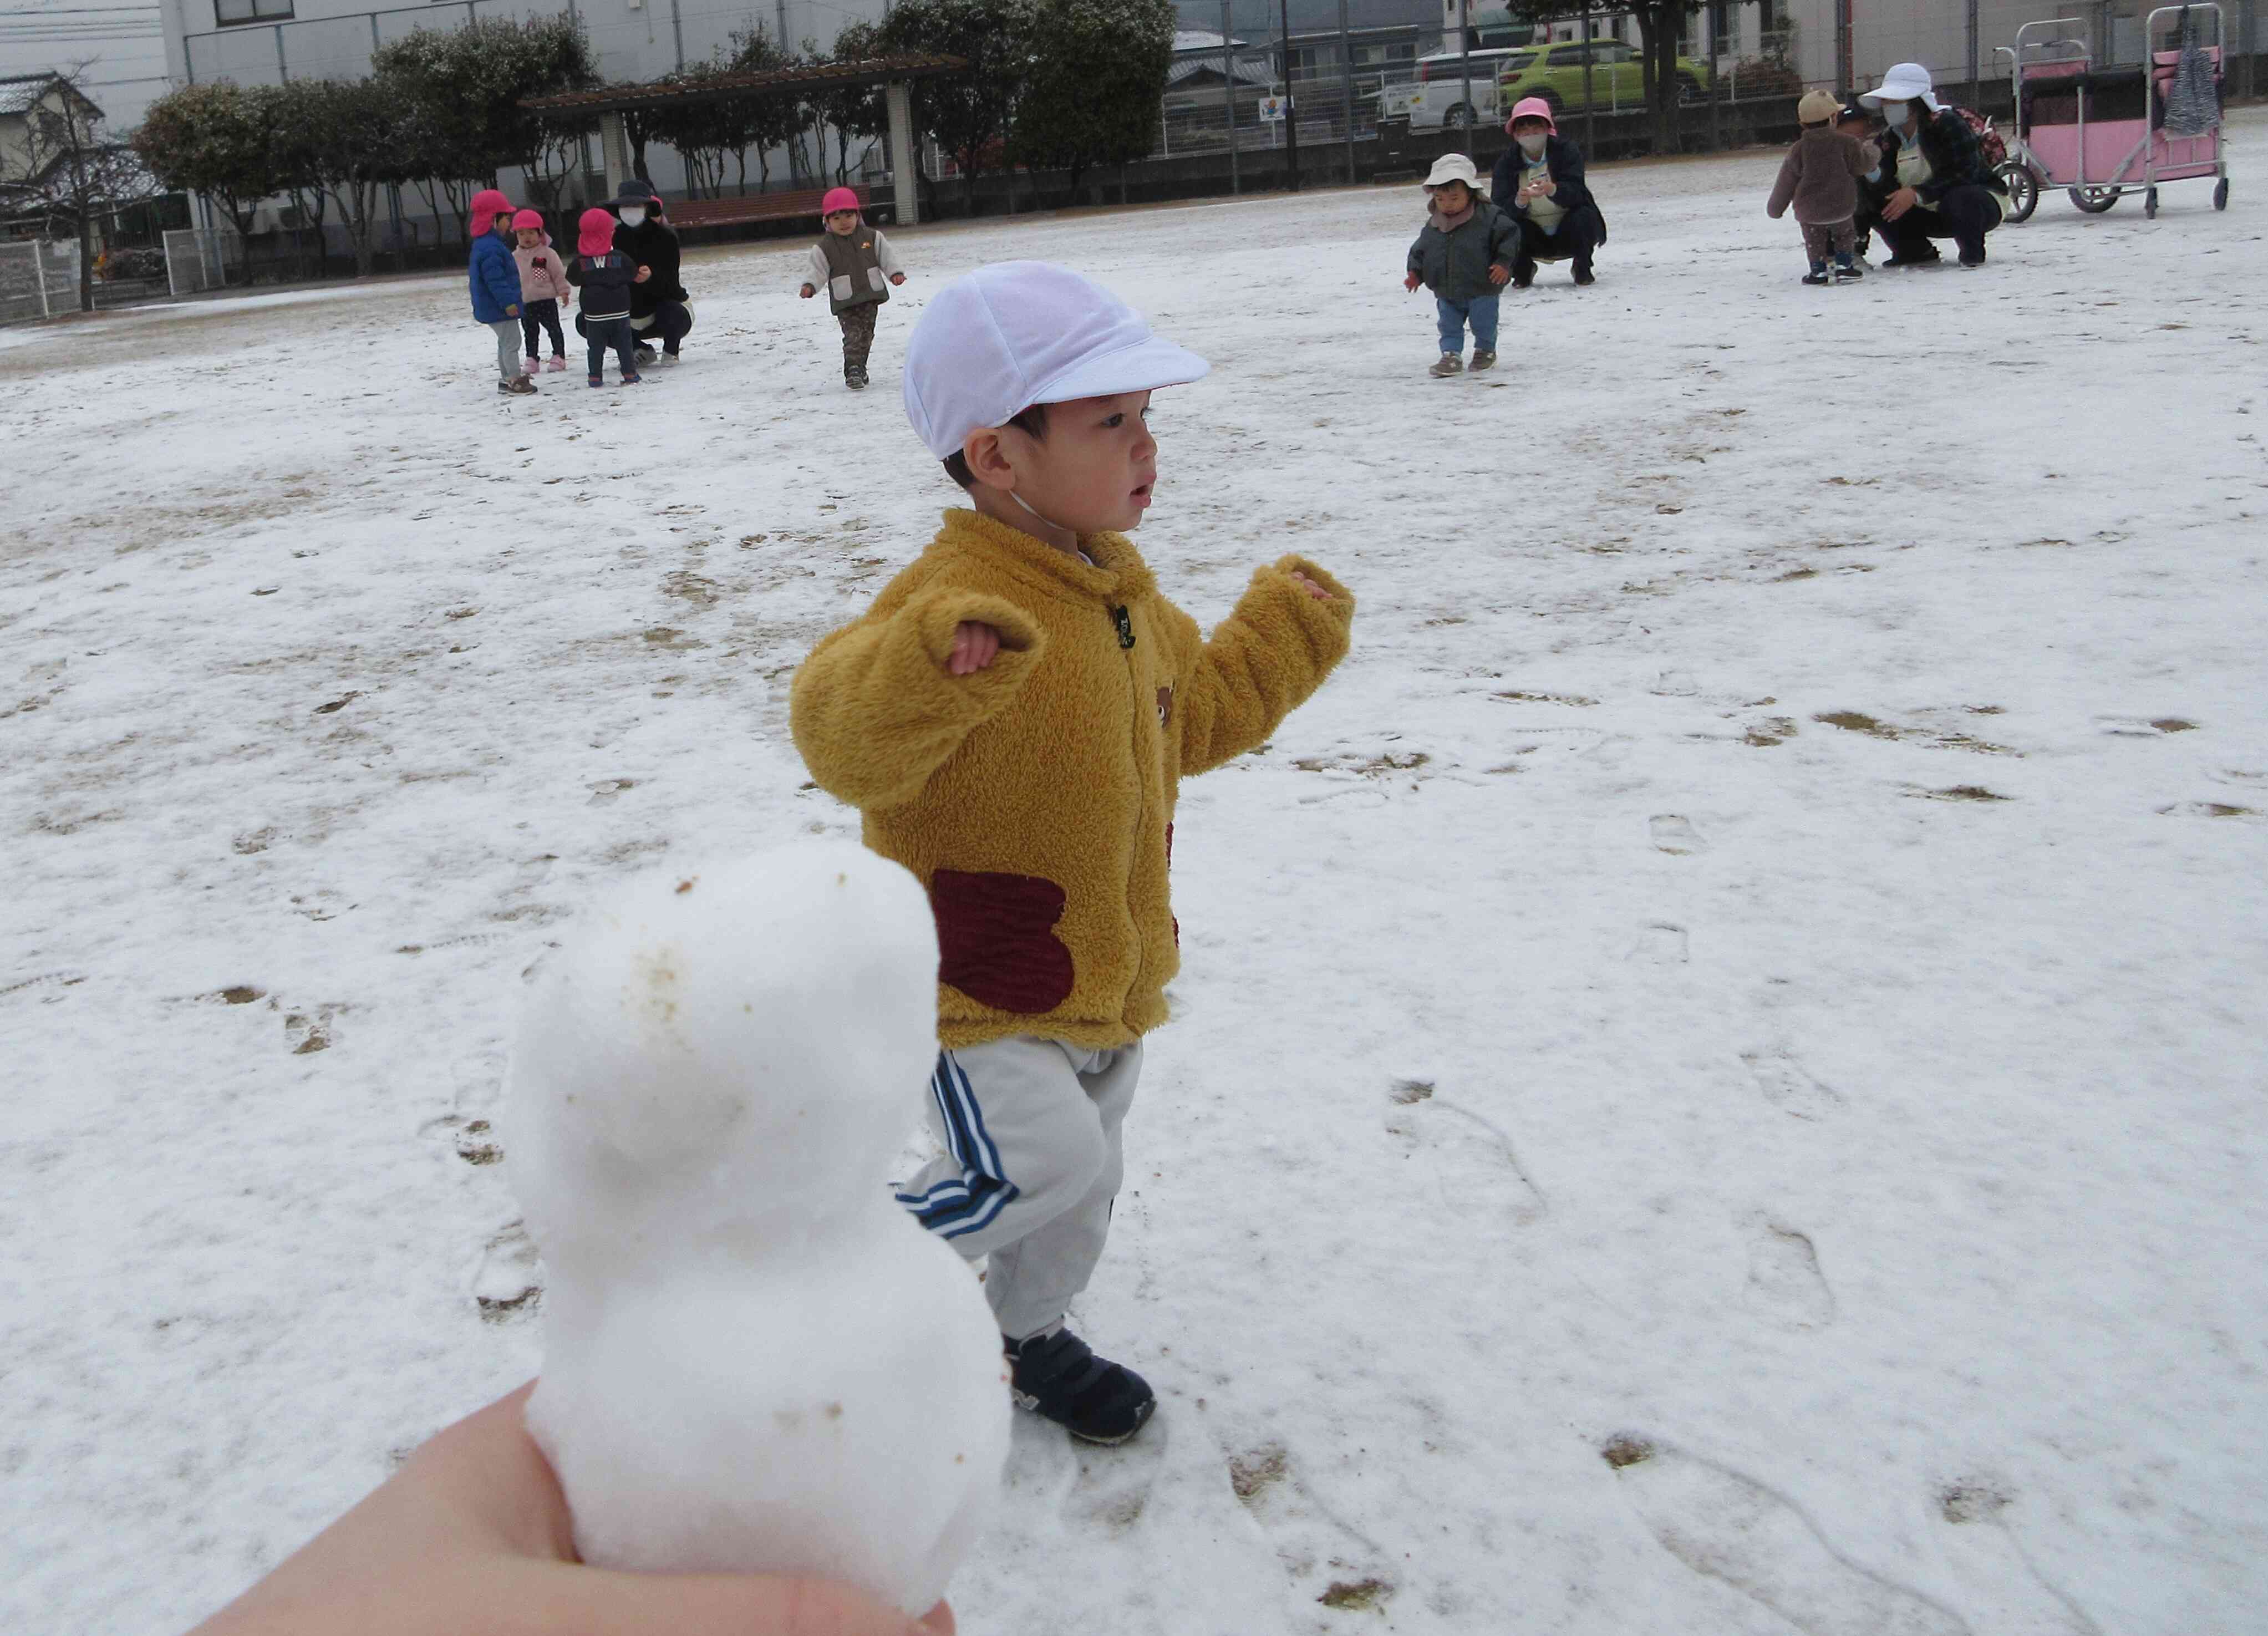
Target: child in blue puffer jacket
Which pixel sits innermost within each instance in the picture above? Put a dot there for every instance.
(495, 286)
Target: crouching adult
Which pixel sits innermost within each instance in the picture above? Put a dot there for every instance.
(1539, 181)
(1932, 182)
(660, 311)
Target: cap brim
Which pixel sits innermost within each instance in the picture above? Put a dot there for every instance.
(1145, 366)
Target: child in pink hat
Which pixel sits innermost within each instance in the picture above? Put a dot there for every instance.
(857, 266)
(606, 276)
(495, 286)
(542, 286)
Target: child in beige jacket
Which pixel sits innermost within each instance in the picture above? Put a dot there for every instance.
(542, 286)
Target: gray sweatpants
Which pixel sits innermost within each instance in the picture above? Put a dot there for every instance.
(1032, 1163)
(507, 334)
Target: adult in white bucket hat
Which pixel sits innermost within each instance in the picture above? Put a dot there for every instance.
(1933, 182)
(1013, 717)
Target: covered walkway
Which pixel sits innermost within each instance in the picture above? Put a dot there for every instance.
(894, 74)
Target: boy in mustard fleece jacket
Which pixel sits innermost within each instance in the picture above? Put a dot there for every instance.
(1013, 717)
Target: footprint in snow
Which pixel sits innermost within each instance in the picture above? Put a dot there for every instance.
(1785, 1284)
(1476, 1167)
(2004, 1586)
(1661, 944)
(506, 1282)
(1790, 1087)
(1676, 836)
(1733, 1529)
(2142, 727)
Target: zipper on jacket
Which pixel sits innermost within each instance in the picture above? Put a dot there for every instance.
(1125, 623)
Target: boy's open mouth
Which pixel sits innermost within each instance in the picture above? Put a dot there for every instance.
(1142, 493)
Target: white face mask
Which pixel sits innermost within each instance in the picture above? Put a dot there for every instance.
(1533, 146)
(1896, 113)
(633, 217)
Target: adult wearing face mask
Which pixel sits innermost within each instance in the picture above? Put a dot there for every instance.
(1539, 181)
(658, 307)
(1938, 185)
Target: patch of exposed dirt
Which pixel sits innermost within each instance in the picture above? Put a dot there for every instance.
(1356, 1595)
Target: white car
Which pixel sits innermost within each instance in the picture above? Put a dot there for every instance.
(1438, 95)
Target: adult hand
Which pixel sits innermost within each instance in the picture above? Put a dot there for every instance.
(471, 1537)
(1499, 274)
(974, 646)
(1409, 281)
(808, 291)
(643, 273)
(1543, 185)
(1899, 203)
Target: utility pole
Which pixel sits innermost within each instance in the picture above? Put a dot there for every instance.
(1290, 103)
(1228, 96)
(1976, 57)
(1846, 69)
(1465, 65)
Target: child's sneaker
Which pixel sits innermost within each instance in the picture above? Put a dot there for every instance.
(855, 378)
(1848, 272)
(1450, 364)
(1817, 275)
(598, 380)
(1481, 361)
(631, 380)
(556, 364)
(1058, 1377)
(519, 386)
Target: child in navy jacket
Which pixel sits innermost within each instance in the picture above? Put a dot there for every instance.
(605, 276)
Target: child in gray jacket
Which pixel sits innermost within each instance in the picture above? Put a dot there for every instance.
(1464, 257)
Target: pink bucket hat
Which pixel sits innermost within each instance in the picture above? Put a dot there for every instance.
(1532, 107)
(487, 204)
(594, 231)
(838, 199)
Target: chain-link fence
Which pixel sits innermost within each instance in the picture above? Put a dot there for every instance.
(39, 278)
(198, 259)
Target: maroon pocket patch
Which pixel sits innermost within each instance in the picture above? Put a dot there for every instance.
(997, 942)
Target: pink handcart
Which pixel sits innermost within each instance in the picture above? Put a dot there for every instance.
(2101, 131)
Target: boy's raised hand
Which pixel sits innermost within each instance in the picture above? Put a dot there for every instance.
(974, 646)
(1303, 582)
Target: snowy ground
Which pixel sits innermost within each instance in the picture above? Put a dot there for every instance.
(1757, 961)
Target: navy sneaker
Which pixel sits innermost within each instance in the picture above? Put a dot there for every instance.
(1058, 1377)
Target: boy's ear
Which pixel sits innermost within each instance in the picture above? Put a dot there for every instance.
(988, 460)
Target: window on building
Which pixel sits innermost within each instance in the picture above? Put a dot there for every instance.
(228, 11)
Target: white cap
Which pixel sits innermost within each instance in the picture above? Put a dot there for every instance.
(1907, 82)
(1454, 168)
(1020, 333)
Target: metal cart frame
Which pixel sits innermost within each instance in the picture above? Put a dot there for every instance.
(2123, 153)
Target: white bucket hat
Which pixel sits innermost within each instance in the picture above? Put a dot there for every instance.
(1907, 82)
(1020, 333)
(1453, 167)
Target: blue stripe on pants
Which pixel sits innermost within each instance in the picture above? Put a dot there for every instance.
(953, 1207)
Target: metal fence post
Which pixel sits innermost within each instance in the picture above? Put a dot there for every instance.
(282, 69)
(1590, 103)
(1465, 67)
(1290, 103)
(1346, 87)
(1228, 96)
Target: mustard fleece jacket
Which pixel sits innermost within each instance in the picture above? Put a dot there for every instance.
(1035, 797)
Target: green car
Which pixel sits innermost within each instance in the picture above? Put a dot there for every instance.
(1555, 73)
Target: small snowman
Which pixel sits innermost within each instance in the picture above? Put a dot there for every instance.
(755, 1361)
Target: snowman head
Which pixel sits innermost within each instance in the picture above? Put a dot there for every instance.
(726, 1046)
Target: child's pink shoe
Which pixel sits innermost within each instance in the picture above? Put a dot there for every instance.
(557, 363)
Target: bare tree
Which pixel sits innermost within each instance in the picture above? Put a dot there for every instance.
(76, 175)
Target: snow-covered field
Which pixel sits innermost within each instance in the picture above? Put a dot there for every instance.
(1757, 961)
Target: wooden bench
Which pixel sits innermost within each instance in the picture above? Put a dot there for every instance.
(755, 207)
